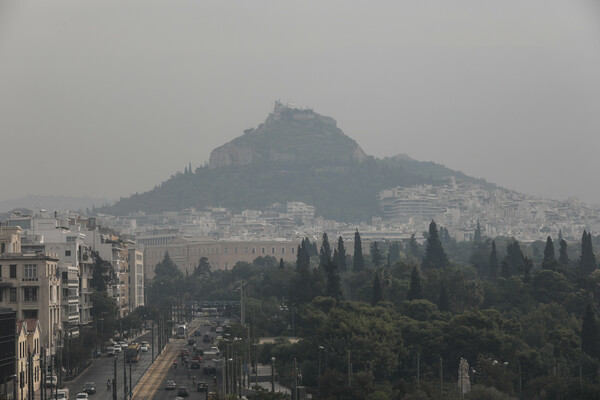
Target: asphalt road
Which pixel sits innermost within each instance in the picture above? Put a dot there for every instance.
(102, 369)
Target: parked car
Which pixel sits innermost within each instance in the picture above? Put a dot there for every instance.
(118, 349)
(170, 385)
(110, 351)
(182, 391)
(89, 388)
(219, 330)
(123, 344)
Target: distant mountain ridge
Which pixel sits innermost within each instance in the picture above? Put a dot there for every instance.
(295, 155)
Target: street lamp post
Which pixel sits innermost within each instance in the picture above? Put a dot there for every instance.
(273, 374)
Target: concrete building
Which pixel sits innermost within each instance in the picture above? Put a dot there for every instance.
(135, 261)
(8, 347)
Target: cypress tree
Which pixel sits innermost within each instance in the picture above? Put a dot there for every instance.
(394, 252)
(377, 295)
(505, 269)
(563, 255)
(590, 332)
(587, 262)
(414, 291)
(334, 288)
(477, 234)
(359, 261)
(527, 267)
(514, 259)
(549, 260)
(493, 262)
(443, 301)
(435, 256)
(376, 256)
(281, 263)
(413, 246)
(341, 252)
(167, 267)
(560, 236)
(325, 252)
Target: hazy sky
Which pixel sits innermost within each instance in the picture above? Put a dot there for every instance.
(107, 98)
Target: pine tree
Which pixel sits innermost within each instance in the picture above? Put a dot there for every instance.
(563, 255)
(587, 262)
(376, 256)
(359, 261)
(325, 252)
(435, 256)
(341, 251)
(590, 332)
(414, 291)
(377, 295)
(493, 262)
(477, 234)
(443, 301)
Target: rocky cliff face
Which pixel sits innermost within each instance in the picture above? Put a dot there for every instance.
(289, 134)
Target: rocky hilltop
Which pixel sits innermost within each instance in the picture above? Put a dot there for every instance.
(289, 134)
(294, 155)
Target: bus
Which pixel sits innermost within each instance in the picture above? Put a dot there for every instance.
(133, 353)
(181, 331)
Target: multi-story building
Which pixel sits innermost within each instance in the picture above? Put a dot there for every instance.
(69, 298)
(135, 261)
(8, 321)
(30, 286)
(28, 354)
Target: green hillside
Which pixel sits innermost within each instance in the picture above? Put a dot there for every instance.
(296, 155)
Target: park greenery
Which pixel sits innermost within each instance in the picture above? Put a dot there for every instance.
(391, 323)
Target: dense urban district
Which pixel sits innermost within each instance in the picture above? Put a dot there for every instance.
(426, 317)
(295, 266)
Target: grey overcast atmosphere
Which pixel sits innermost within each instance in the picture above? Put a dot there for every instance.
(108, 98)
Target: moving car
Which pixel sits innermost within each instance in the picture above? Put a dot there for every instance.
(170, 385)
(145, 346)
(82, 396)
(51, 381)
(124, 345)
(61, 394)
(182, 391)
(89, 388)
(202, 387)
(110, 351)
(206, 339)
(118, 349)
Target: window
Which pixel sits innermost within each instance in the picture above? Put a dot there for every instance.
(13, 295)
(67, 253)
(0, 270)
(30, 271)
(30, 294)
(262, 250)
(226, 250)
(2, 247)
(272, 250)
(254, 250)
(235, 250)
(13, 271)
(246, 250)
(283, 250)
(293, 249)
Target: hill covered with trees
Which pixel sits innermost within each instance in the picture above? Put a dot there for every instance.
(295, 155)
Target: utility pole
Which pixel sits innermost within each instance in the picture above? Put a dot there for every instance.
(441, 378)
(273, 374)
(152, 342)
(295, 395)
(418, 370)
(349, 370)
(130, 385)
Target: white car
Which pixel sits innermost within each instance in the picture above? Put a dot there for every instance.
(124, 345)
(118, 349)
(144, 348)
(82, 396)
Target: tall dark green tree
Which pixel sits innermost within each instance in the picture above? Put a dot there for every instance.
(413, 246)
(341, 253)
(334, 287)
(167, 268)
(376, 256)
(563, 255)
(324, 252)
(493, 262)
(281, 263)
(394, 252)
(414, 291)
(435, 256)
(377, 291)
(477, 234)
(587, 261)
(514, 259)
(443, 300)
(590, 331)
(560, 236)
(302, 285)
(549, 261)
(359, 260)
(203, 268)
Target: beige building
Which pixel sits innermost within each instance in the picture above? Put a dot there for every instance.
(221, 254)
(29, 285)
(28, 350)
(135, 262)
